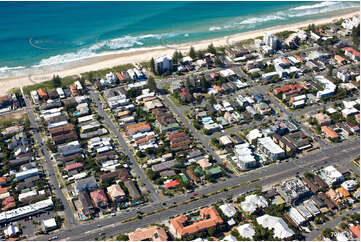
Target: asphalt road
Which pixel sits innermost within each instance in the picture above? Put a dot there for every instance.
(69, 216)
(334, 154)
(202, 138)
(134, 165)
(329, 224)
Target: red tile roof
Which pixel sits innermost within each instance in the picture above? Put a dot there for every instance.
(339, 58)
(3, 190)
(8, 203)
(132, 128)
(286, 61)
(218, 88)
(355, 230)
(98, 196)
(42, 93)
(352, 51)
(120, 76)
(3, 179)
(73, 89)
(177, 135)
(171, 184)
(210, 218)
(74, 166)
(329, 132)
(286, 88)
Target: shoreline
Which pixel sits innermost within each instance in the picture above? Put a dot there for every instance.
(111, 60)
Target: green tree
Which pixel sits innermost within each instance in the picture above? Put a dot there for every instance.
(328, 233)
(151, 84)
(212, 49)
(330, 68)
(212, 100)
(56, 81)
(175, 57)
(218, 61)
(122, 237)
(152, 174)
(192, 53)
(204, 84)
(152, 65)
(356, 36)
(212, 231)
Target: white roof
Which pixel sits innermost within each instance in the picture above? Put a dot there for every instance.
(226, 73)
(300, 97)
(60, 91)
(349, 104)
(187, 59)
(296, 216)
(254, 134)
(50, 223)
(270, 145)
(85, 118)
(279, 226)
(252, 202)
(228, 209)
(11, 230)
(246, 231)
(225, 140)
(328, 86)
(331, 175)
(349, 185)
(229, 238)
(58, 124)
(78, 85)
(331, 110)
(27, 194)
(162, 58)
(26, 172)
(311, 207)
(298, 103)
(349, 111)
(24, 211)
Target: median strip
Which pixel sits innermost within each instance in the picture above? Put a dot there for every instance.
(189, 201)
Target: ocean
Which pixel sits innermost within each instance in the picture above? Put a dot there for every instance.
(38, 36)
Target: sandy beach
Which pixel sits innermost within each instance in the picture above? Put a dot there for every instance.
(108, 61)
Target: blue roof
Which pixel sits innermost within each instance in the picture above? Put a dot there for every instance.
(258, 97)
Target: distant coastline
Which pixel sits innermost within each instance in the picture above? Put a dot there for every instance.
(139, 55)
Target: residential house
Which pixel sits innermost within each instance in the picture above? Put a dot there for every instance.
(353, 54)
(329, 132)
(154, 233)
(208, 218)
(270, 148)
(322, 119)
(43, 94)
(133, 190)
(99, 198)
(293, 190)
(116, 193)
(86, 184)
(278, 225)
(86, 205)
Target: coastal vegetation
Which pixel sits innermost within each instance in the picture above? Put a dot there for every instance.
(55, 82)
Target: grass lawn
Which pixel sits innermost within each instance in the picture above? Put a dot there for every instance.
(49, 85)
(175, 101)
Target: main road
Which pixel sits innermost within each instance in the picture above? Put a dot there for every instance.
(334, 154)
(69, 216)
(134, 165)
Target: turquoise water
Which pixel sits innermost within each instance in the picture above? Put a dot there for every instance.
(45, 35)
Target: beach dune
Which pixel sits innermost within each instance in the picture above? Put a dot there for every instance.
(97, 63)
